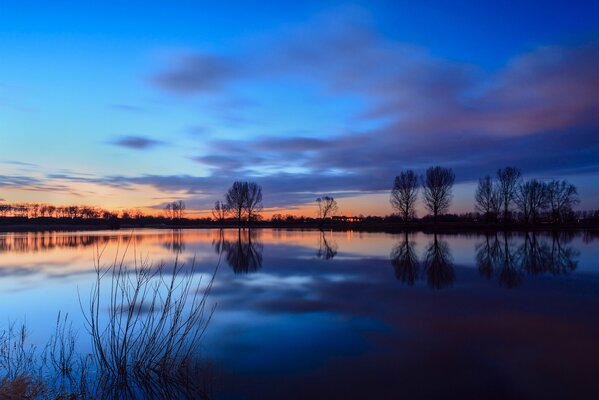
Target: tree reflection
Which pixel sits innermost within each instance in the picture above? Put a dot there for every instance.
(495, 256)
(175, 241)
(327, 249)
(405, 261)
(33, 242)
(243, 253)
(437, 264)
(499, 257)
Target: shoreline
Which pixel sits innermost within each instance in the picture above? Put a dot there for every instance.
(383, 227)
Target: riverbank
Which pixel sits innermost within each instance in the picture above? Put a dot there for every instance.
(63, 224)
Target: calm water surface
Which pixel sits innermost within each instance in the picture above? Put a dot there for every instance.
(353, 315)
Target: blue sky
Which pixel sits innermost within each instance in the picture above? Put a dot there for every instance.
(135, 104)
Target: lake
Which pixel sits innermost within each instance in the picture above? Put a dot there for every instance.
(350, 315)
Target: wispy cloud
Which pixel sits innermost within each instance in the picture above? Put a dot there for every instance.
(136, 142)
(537, 112)
(199, 72)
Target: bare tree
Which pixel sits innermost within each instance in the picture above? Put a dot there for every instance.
(405, 193)
(244, 199)
(168, 210)
(172, 210)
(235, 199)
(561, 197)
(253, 201)
(487, 198)
(326, 207)
(179, 208)
(437, 189)
(508, 179)
(220, 211)
(531, 199)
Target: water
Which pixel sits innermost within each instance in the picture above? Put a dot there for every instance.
(305, 314)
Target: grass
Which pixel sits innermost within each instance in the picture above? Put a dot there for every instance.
(145, 323)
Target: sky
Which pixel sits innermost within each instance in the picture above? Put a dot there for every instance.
(133, 105)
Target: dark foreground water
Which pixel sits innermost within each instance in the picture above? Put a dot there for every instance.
(303, 315)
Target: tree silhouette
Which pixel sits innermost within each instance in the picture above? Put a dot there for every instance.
(437, 186)
(220, 211)
(236, 198)
(561, 197)
(244, 199)
(253, 200)
(326, 207)
(405, 193)
(487, 198)
(174, 210)
(531, 199)
(508, 179)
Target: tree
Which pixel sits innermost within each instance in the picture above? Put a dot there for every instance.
(244, 199)
(531, 199)
(561, 197)
(437, 188)
(508, 182)
(253, 200)
(487, 198)
(174, 210)
(179, 209)
(405, 193)
(235, 199)
(220, 211)
(326, 207)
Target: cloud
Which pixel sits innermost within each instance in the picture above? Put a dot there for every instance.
(413, 109)
(20, 163)
(31, 183)
(199, 72)
(136, 142)
(537, 112)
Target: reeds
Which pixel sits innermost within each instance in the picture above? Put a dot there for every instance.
(145, 323)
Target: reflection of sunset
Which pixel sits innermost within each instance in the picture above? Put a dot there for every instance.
(59, 253)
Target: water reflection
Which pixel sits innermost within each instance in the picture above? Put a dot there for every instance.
(175, 241)
(437, 264)
(243, 252)
(293, 321)
(33, 242)
(327, 248)
(498, 256)
(405, 261)
(437, 267)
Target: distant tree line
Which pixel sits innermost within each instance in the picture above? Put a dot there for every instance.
(553, 200)
(505, 197)
(38, 210)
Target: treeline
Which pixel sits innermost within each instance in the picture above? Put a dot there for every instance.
(172, 211)
(505, 197)
(39, 210)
